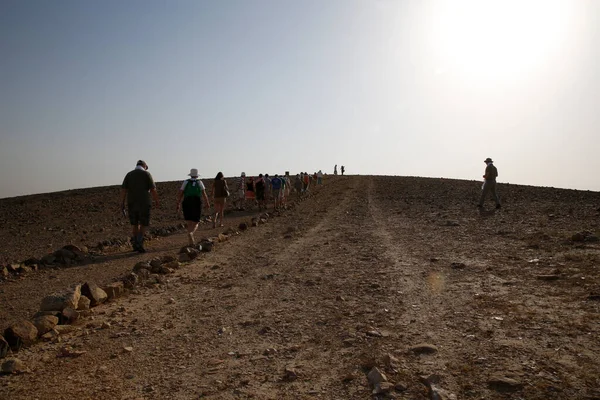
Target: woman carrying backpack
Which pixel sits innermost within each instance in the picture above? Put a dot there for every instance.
(192, 190)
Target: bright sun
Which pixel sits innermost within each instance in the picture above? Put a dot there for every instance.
(499, 40)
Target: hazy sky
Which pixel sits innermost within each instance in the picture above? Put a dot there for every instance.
(428, 88)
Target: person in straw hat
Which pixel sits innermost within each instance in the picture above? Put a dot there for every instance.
(192, 191)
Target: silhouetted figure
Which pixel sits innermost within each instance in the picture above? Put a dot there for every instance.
(335, 170)
(489, 183)
(343, 169)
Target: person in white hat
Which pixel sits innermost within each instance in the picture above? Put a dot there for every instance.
(192, 191)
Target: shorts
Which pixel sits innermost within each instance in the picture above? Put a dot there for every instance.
(192, 208)
(276, 193)
(260, 194)
(139, 215)
(219, 201)
(241, 194)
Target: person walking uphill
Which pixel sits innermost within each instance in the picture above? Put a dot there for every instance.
(192, 190)
(489, 184)
(220, 192)
(137, 187)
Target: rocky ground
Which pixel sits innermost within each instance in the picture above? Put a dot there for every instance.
(373, 287)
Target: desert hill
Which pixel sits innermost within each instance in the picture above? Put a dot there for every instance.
(371, 287)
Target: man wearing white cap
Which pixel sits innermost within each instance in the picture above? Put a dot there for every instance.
(192, 191)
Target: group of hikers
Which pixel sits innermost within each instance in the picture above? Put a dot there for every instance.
(138, 187)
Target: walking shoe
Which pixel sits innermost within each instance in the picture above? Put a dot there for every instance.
(498, 206)
(134, 243)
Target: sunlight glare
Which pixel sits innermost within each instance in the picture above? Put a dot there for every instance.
(499, 40)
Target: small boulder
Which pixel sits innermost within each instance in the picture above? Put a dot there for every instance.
(13, 366)
(48, 259)
(172, 264)
(3, 272)
(45, 323)
(131, 280)
(424, 348)
(207, 246)
(223, 237)
(375, 377)
(183, 257)
(167, 259)
(69, 315)
(22, 333)
(243, 226)
(145, 265)
(84, 303)
(58, 302)
(93, 292)
(114, 290)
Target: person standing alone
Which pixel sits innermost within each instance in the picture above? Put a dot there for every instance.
(137, 187)
(489, 183)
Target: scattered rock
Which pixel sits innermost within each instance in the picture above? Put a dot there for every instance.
(131, 280)
(183, 257)
(167, 259)
(58, 302)
(375, 377)
(144, 265)
(243, 226)
(22, 333)
(503, 383)
(127, 349)
(207, 246)
(45, 323)
(114, 290)
(67, 351)
(93, 292)
(51, 335)
(4, 347)
(223, 237)
(4, 272)
(390, 361)
(70, 315)
(290, 374)
(84, 303)
(172, 265)
(458, 265)
(383, 387)
(65, 329)
(434, 391)
(13, 366)
(424, 348)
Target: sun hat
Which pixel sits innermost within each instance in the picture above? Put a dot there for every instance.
(488, 160)
(193, 172)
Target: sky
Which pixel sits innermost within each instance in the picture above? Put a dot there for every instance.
(411, 88)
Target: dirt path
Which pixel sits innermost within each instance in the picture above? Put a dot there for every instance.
(305, 305)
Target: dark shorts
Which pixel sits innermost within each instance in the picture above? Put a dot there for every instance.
(192, 208)
(260, 194)
(139, 215)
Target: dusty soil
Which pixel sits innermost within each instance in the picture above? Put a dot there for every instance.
(305, 305)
